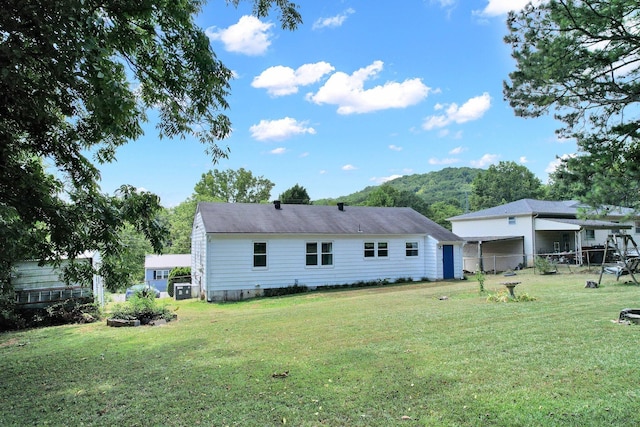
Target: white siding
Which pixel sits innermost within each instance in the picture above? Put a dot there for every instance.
(230, 262)
(498, 227)
(198, 254)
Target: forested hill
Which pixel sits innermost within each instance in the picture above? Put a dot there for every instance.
(449, 185)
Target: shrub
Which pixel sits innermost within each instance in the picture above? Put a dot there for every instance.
(504, 296)
(142, 308)
(544, 265)
(178, 275)
(289, 290)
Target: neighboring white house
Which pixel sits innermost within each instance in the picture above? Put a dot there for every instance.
(157, 268)
(38, 286)
(239, 249)
(509, 235)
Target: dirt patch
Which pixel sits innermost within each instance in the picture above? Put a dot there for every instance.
(11, 342)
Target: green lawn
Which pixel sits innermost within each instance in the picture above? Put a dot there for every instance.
(394, 355)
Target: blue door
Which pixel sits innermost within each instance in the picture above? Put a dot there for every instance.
(447, 262)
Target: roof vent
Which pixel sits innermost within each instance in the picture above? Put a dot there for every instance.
(340, 206)
(276, 203)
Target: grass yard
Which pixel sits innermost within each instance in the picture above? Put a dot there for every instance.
(394, 355)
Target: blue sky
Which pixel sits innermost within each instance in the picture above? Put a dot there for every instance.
(361, 93)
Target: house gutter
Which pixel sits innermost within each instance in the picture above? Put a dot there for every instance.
(533, 241)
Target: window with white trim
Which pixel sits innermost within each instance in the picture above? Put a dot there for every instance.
(411, 248)
(590, 234)
(376, 249)
(322, 257)
(512, 220)
(160, 274)
(259, 254)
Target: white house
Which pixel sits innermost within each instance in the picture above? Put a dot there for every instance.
(509, 235)
(238, 249)
(38, 286)
(157, 268)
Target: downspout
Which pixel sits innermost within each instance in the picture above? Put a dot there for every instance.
(533, 240)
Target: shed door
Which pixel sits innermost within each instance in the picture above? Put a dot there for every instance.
(448, 270)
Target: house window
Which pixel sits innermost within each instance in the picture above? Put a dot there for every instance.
(373, 248)
(383, 249)
(259, 254)
(512, 220)
(160, 274)
(324, 257)
(312, 253)
(369, 249)
(327, 253)
(637, 227)
(411, 248)
(590, 234)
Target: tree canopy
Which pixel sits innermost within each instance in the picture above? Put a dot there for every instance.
(295, 195)
(234, 186)
(504, 183)
(77, 78)
(579, 60)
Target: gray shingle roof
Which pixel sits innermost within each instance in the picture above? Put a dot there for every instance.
(311, 219)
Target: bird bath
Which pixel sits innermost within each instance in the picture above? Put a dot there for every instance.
(511, 286)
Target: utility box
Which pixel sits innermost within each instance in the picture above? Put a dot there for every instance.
(182, 291)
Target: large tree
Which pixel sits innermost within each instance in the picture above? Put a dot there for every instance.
(503, 183)
(580, 61)
(234, 186)
(76, 78)
(296, 195)
(386, 195)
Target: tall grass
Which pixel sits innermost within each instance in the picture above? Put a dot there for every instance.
(366, 357)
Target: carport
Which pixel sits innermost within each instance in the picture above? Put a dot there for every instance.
(493, 253)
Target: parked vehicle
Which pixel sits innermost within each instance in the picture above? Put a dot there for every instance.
(141, 287)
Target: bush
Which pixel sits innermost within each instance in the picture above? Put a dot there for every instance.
(544, 265)
(143, 308)
(289, 290)
(178, 275)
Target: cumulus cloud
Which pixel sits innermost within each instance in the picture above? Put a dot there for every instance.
(249, 36)
(486, 160)
(448, 161)
(333, 21)
(278, 130)
(383, 179)
(280, 80)
(348, 92)
(395, 148)
(349, 168)
(523, 160)
(502, 7)
(473, 109)
(279, 150)
(553, 165)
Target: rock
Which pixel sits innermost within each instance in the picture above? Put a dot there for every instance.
(118, 323)
(158, 322)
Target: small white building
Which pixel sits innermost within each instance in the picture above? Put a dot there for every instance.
(239, 249)
(511, 235)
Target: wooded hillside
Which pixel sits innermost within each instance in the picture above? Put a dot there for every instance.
(449, 185)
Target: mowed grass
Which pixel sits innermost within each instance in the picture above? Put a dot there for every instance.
(393, 355)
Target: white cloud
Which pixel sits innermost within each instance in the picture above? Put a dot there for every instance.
(348, 92)
(449, 161)
(249, 36)
(502, 7)
(280, 80)
(473, 109)
(486, 160)
(323, 172)
(333, 21)
(383, 179)
(349, 168)
(523, 160)
(279, 150)
(395, 148)
(553, 165)
(305, 154)
(457, 150)
(278, 130)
